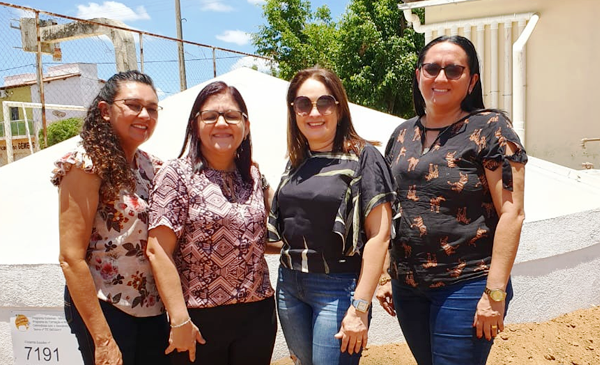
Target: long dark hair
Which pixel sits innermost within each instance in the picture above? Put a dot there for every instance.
(102, 144)
(474, 99)
(346, 139)
(243, 158)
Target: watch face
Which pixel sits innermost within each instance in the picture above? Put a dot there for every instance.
(497, 295)
(360, 305)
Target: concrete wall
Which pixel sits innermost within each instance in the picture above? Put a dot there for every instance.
(556, 272)
(561, 78)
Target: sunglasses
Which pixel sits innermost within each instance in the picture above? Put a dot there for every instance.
(325, 104)
(452, 72)
(230, 116)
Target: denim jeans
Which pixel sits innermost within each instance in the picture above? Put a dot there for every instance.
(311, 307)
(141, 340)
(438, 323)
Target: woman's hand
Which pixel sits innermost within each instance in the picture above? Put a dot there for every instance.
(354, 331)
(489, 317)
(184, 338)
(384, 295)
(108, 353)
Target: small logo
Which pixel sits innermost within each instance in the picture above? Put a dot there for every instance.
(22, 322)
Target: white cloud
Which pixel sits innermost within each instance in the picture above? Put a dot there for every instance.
(257, 2)
(260, 64)
(112, 10)
(215, 5)
(235, 36)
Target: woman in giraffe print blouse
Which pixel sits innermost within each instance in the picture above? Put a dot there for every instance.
(459, 170)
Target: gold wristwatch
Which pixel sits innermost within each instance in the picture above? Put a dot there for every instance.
(497, 295)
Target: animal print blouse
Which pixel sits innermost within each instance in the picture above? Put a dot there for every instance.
(445, 221)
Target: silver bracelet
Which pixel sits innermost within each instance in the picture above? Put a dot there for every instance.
(181, 324)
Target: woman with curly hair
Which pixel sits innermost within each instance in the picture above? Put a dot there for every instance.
(111, 301)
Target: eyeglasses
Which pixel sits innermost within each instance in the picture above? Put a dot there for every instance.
(136, 106)
(325, 105)
(452, 72)
(230, 116)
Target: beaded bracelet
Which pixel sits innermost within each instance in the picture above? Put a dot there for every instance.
(182, 324)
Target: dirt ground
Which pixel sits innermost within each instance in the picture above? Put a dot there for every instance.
(571, 339)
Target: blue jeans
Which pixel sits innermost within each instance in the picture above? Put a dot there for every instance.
(438, 323)
(311, 308)
(142, 340)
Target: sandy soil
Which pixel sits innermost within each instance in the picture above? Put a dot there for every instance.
(572, 339)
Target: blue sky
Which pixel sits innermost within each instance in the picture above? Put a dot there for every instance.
(220, 23)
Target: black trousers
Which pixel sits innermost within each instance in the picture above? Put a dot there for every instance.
(237, 334)
(141, 340)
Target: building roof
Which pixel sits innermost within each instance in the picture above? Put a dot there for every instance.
(46, 79)
(29, 210)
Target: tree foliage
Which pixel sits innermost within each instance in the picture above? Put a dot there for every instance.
(60, 131)
(370, 48)
(295, 37)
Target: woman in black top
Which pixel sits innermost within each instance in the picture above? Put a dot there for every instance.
(460, 175)
(332, 212)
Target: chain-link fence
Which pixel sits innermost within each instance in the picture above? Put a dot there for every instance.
(74, 58)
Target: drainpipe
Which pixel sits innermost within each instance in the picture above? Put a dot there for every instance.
(507, 97)
(520, 79)
(494, 87)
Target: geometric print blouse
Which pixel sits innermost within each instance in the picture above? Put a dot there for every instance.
(116, 254)
(445, 220)
(220, 223)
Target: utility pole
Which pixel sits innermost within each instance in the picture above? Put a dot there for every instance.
(182, 77)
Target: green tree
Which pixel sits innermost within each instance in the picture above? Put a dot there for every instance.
(60, 131)
(295, 37)
(371, 48)
(377, 58)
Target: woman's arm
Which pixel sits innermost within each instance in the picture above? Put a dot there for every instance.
(384, 290)
(510, 208)
(78, 201)
(354, 329)
(272, 247)
(162, 242)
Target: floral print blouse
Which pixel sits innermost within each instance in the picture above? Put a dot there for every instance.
(220, 223)
(116, 253)
(446, 220)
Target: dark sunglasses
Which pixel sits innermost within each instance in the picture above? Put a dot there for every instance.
(325, 104)
(452, 72)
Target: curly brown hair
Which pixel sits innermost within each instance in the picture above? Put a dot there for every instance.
(102, 144)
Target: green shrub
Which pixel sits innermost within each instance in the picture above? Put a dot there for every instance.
(60, 131)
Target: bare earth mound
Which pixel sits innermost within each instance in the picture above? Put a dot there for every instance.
(571, 339)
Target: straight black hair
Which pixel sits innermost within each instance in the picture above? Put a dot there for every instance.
(474, 99)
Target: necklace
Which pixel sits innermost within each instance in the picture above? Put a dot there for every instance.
(440, 130)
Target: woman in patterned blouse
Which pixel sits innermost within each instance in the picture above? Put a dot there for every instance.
(207, 239)
(459, 170)
(332, 213)
(103, 193)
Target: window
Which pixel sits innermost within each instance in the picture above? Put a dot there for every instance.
(14, 113)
